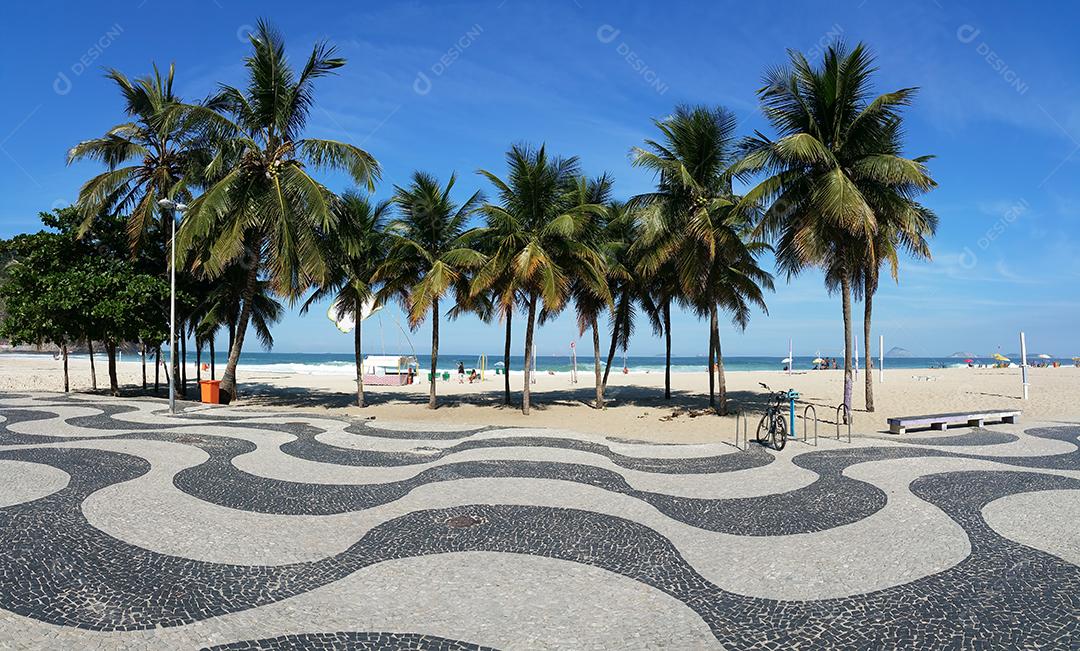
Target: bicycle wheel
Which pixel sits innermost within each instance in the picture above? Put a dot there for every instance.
(779, 436)
(763, 433)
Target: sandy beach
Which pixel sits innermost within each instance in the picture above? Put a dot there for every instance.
(636, 408)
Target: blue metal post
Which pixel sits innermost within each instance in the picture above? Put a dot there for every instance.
(792, 395)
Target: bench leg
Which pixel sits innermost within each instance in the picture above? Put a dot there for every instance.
(978, 422)
(941, 427)
(1011, 420)
(896, 429)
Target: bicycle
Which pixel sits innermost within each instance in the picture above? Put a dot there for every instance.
(772, 426)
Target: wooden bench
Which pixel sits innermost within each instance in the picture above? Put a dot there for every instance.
(941, 422)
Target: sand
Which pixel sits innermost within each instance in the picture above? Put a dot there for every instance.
(636, 408)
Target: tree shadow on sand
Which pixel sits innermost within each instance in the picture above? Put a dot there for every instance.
(583, 395)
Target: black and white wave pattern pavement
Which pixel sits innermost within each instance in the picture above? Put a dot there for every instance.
(124, 527)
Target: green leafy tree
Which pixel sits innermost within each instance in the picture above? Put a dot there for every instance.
(267, 212)
(34, 293)
(62, 289)
(127, 304)
(429, 253)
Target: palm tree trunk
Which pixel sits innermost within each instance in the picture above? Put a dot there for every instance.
(721, 380)
(611, 351)
(142, 354)
(506, 359)
(114, 384)
(213, 356)
(845, 290)
(174, 365)
(596, 364)
(228, 381)
(157, 369)
(359, 349)
(64, 352)
(183, 363)
(434, 350)
(198, 360)
(712, 362)
(93, 371)
(667, 349)
(525, 394)
(868, 308)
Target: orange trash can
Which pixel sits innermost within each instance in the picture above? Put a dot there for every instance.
(211, 391)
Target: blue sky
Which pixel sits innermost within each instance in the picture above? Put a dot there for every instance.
(447, 86)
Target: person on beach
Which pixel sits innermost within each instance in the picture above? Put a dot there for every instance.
(461, 372)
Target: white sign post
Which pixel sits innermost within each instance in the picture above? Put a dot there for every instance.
(856, 338)
(1023, 364)
(573, 360)
(881, 358)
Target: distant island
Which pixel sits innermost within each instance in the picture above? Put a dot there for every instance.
(963, 355)
(897, 351)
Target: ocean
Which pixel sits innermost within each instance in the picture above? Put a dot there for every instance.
(343, 363)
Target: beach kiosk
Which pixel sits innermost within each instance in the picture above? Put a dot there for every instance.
(390, 370)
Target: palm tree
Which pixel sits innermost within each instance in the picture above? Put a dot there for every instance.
(903, 226)
(729, 278)
(148, 157)
(535, 229)
(591, 298)
(628, 288)
(833, 155)
(693, 247)
(223, 303)
(357, 254)
(429, 252)
(267, 212)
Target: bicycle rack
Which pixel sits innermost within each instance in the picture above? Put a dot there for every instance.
(745, 431)
(842, 410)
(737, 431)
(805, 437)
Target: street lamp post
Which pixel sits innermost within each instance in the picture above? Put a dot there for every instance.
(171, 208)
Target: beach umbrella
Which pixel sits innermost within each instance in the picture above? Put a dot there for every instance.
(347, 321)
(1045, 356)
(1001, 358)
(818, 360)
(786, 360)
(969, 361)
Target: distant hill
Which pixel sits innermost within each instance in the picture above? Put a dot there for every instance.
(897, 351)
(963, 355)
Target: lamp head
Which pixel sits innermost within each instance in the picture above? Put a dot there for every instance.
(169, 204)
